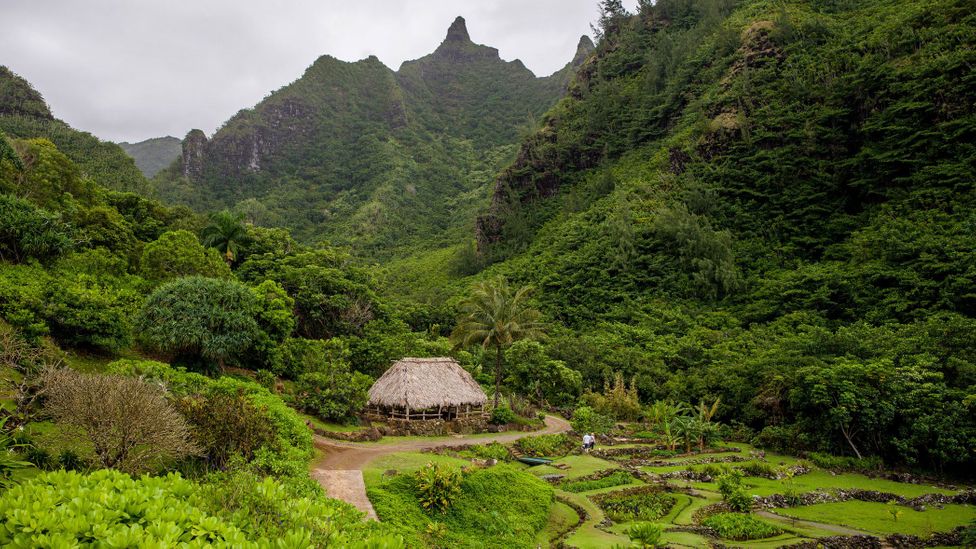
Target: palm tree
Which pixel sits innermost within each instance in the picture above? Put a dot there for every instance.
(494, 316)
(705, 415)
(228, 233)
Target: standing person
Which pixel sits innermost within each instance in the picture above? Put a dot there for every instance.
(592, 441)
(587, 442)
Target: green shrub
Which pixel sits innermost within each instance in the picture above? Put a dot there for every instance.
(740, 527)
(503, 415)
(28, 232)
(545, 445)
(40, 457)
(635, 504)
(266, 378)
(200, 319)
(226, 425)
(69, 460)
(711, 470)
(336, 395)
(759, 469)
(586, 420)
(846, 463)
(646, 534)
(619, 478)
(492, 450)
(291, 448)
(437, 487)
(730, 486)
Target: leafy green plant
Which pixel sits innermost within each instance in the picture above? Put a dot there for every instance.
(645, 535)
(587, 420)
(740, 527)
(545, 445)
(9, 461)
(71, 461)
(492, 450)
(730, 486)
(758, 469)
(502, 415)
(437, 487)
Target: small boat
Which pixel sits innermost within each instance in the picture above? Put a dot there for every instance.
(535, 461)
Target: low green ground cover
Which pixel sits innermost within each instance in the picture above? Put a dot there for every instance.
(562, 518)
(498, 506)
(741, 526)
(405, 462)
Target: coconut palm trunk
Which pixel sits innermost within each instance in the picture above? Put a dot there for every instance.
(498, 373)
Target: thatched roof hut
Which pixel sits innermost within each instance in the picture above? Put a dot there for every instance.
(426, 388)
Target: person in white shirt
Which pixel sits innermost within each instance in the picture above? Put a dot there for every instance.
(587, 442)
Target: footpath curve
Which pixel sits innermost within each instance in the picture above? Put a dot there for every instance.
(340, 470)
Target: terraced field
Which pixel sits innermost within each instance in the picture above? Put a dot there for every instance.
(822, 503)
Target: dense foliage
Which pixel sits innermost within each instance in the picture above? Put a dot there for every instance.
(765, 202)
(108, 508)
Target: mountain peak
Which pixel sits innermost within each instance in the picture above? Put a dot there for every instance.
(583, 50)
(458, 32)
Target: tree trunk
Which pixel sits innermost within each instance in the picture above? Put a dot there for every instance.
(498, 373)
(849, 441)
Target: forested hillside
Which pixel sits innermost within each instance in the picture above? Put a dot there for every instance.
(359, 154)
(23, 113)
(153, 155)
(767, 202)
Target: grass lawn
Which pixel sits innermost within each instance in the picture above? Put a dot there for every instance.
(406, 462)
(588, 535)
(820, 479)
(579, 466)
(332, 427)
(562, 517)
(876, 518)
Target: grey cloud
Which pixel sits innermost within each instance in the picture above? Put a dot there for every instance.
(133, 69)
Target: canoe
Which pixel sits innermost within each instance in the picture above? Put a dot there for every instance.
(534, 461)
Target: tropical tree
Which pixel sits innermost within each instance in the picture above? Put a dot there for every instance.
(707, 428)
(496, 316)
(228, 233)
(200, 319)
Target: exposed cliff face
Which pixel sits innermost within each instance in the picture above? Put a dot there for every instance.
(369, 149)
(194, 150)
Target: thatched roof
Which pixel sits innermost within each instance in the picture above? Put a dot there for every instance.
(422, 383)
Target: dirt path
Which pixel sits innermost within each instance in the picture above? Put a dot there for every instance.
(340, 471)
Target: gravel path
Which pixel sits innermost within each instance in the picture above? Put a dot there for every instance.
(340, 471)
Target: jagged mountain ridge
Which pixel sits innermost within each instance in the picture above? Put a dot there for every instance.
(360, 154)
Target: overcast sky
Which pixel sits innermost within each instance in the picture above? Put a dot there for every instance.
(127, 70)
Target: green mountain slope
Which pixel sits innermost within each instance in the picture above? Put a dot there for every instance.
(767, 202)
(362, 155)
(155, 154)
(23, 113)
